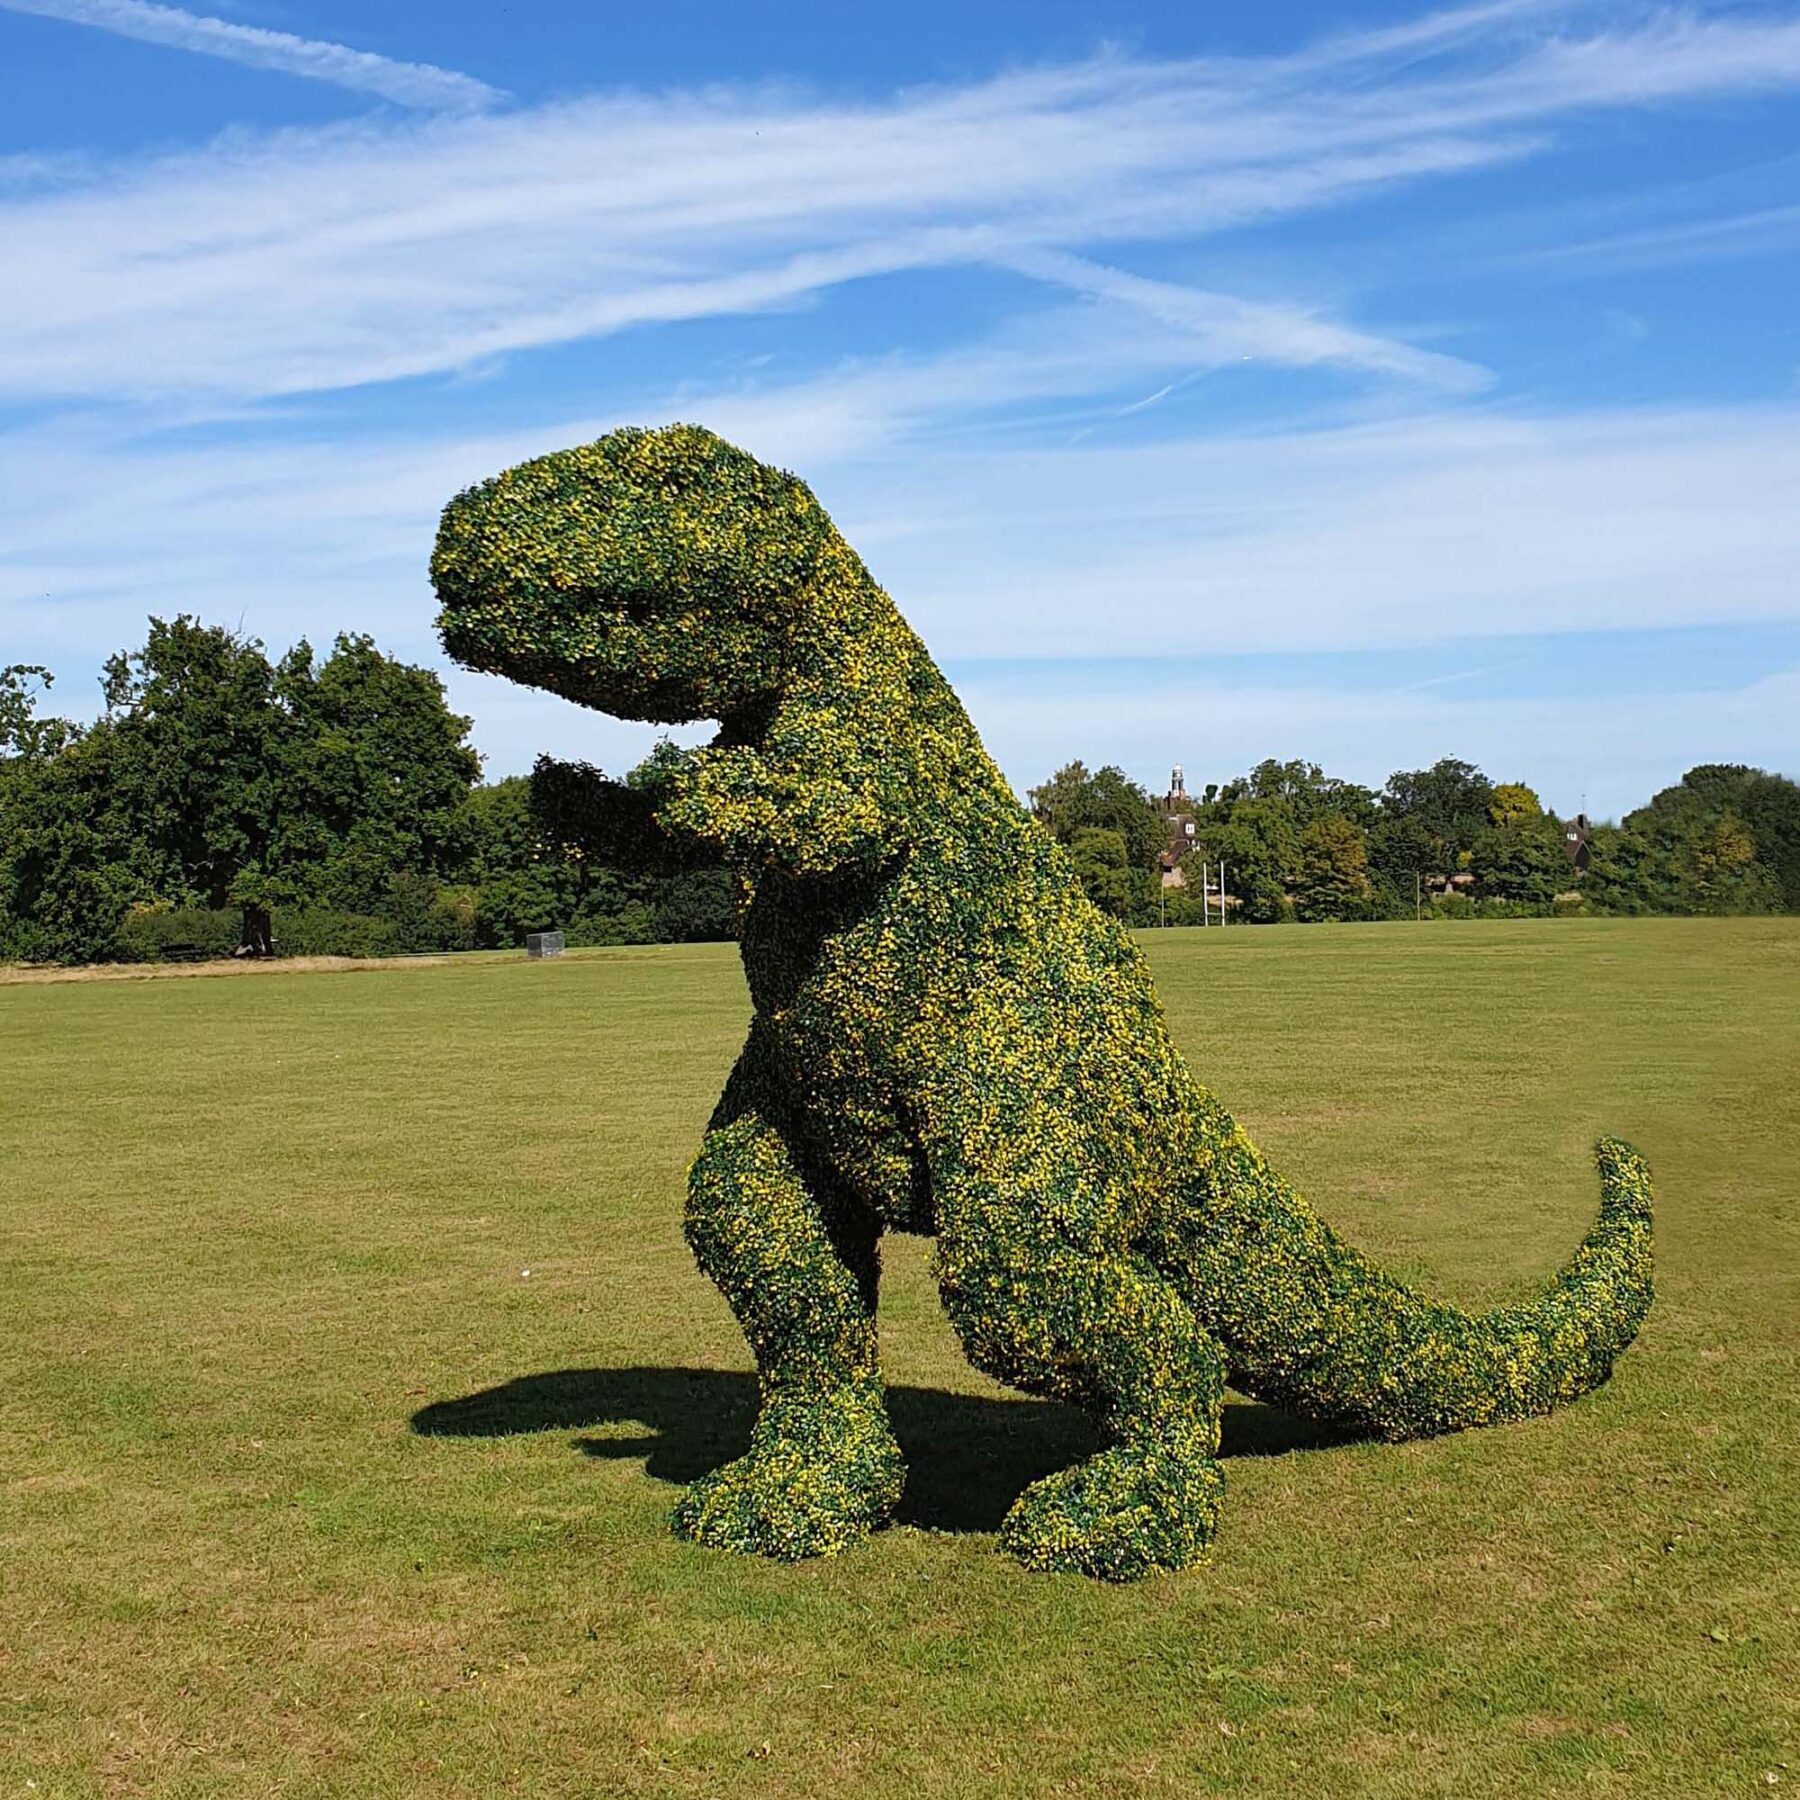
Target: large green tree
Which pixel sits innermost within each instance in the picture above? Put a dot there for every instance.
(216, 780)
(71, 862)
(1451, 804)
(1724, 839)
(1405, 854)
(1277, 831)
(1073, 801)
(199, 756)
(1727, 877)
(1305, 791)
(296, 784)
(1768, 807)
(1258, 839)
(1334, 871)
(376, 771)
(1521, 859)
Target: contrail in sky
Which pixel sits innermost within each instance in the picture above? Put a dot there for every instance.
(407, 84)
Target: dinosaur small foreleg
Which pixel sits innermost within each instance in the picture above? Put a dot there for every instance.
(1107, 1332)
(823, 1466)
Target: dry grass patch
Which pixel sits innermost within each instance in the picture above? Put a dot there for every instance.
(38, 975)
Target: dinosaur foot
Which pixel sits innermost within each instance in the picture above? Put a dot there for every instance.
(1120, 1515)
(820, 1473)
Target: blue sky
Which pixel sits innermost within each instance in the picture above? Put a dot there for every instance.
(1361, 383)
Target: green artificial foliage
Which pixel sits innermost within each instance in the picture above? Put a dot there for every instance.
(950, 1038)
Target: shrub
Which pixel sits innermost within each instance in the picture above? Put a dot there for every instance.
(1179, 907)
(632, 923)
(1511, 909)
(159, 933)
(322, 931)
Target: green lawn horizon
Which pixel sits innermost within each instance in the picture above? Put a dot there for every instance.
(352, 1356)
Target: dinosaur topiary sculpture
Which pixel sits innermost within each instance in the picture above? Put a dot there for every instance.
(949, 1039)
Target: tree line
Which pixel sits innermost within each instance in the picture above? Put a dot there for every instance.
(228, 803)
(1444, 842)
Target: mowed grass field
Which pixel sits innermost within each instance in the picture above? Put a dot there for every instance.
(350, 1352)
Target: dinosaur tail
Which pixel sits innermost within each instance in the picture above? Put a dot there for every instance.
(1315, 1327)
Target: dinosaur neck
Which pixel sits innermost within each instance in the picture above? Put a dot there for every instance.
(865, 682)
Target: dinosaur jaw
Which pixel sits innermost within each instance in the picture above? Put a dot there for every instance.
(610, 665)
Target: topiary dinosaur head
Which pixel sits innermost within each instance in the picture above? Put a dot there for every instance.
(665, 575)
(652, 574)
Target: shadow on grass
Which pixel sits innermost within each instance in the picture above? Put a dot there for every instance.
(969, 1456)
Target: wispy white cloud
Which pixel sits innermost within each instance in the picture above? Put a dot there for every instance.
(405, 83)
(1432, 34)
(1250, 331)
(367, 253)
(1752, 233)
(39, 169)
(1419, 530)
(1059, 370)
(1415, 531)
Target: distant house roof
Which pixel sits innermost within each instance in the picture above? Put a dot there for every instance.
(1576, 835)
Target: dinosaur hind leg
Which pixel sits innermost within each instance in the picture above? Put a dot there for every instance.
(823, 1466)
(1108, 1333)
